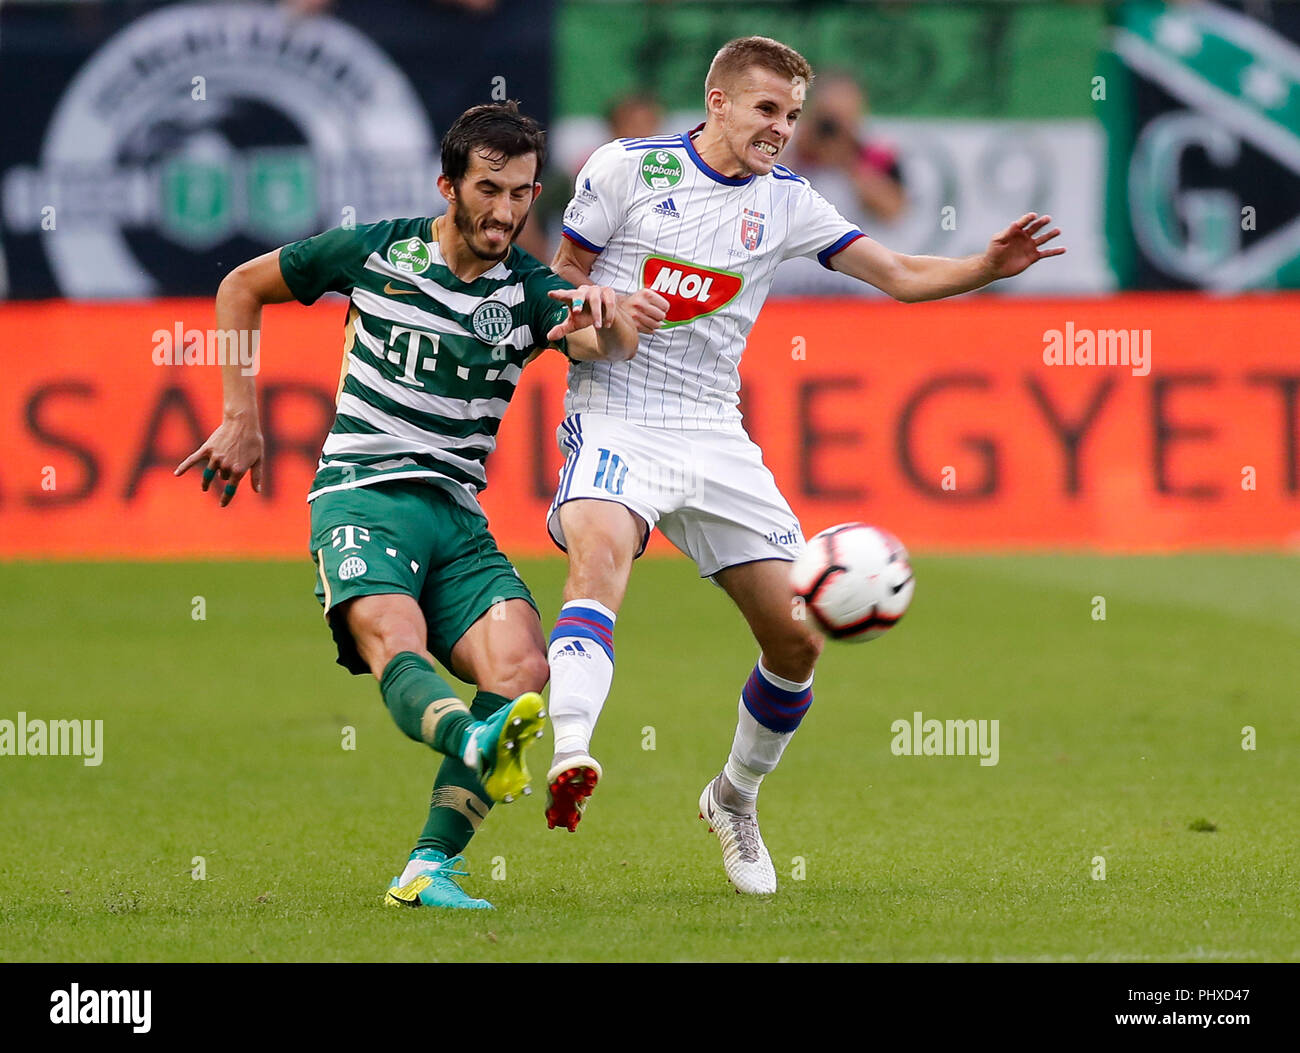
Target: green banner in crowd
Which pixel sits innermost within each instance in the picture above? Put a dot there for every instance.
(930, 60)
(1202, 112)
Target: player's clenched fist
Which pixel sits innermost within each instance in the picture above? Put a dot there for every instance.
(647, 310)
(235, 448)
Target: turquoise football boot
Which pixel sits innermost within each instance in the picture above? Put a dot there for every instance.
(434, 887)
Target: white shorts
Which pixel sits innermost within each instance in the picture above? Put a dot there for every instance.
(708, 491)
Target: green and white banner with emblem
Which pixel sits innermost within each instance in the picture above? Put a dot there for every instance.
(154, 146)
(1203, 119)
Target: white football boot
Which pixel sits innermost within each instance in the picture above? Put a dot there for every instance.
(744, 856)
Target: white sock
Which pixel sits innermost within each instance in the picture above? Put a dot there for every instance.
(413, 867)
(581, 675)
(757, 750)
(470, 756)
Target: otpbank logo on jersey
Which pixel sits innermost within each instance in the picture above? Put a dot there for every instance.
(692, 291)
(411, 256)
(751, 229)
(661, 170)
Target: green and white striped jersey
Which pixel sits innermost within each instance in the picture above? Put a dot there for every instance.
(429, 362)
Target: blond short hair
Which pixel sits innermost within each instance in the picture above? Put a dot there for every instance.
(744, 53)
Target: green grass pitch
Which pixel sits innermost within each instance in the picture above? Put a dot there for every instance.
(1119, 739)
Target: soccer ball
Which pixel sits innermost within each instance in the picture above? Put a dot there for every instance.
(855, 580)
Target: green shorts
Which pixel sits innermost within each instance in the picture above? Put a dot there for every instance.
(410, 538)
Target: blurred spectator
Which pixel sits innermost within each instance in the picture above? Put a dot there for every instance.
(855, 173)
(631, 116)
(634, 116)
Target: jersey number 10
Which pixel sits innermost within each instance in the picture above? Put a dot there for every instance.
(611, 472)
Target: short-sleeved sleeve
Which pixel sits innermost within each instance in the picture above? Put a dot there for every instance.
(328, 262)
(818, 229)
(543, 312)
(601, 195)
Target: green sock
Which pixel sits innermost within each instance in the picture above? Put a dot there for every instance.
(459, 803)
(423, 705)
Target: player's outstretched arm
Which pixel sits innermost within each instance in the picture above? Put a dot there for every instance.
(236, 446)
(573, 263)
(600, 324)
(913, 279)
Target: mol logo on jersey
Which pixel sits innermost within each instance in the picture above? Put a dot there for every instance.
(692, 291)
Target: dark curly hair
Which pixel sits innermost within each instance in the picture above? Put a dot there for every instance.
(497, 129)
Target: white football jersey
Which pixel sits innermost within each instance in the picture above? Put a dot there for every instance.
(662, 219)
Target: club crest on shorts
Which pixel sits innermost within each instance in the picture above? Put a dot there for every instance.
(491, 321)
(751, 229)
(352, 567)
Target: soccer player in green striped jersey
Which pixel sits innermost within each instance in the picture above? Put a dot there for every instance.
(443, 315)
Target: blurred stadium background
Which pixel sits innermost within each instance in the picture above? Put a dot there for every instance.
(149, 148)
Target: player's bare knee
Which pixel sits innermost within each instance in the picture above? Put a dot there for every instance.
(599, 569)
(600, 562)
(533, 672)
(382, 632)
(816, 644)
(794, 656)
(601, 538)
(528, 671)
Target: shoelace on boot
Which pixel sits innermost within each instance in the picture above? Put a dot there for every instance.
(746, 830)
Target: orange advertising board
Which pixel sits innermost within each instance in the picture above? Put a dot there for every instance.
(976, 424)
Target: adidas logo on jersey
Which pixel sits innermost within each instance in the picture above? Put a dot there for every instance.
(666, 207)
(576, 649)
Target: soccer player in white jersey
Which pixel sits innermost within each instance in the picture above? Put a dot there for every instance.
(704, 219)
